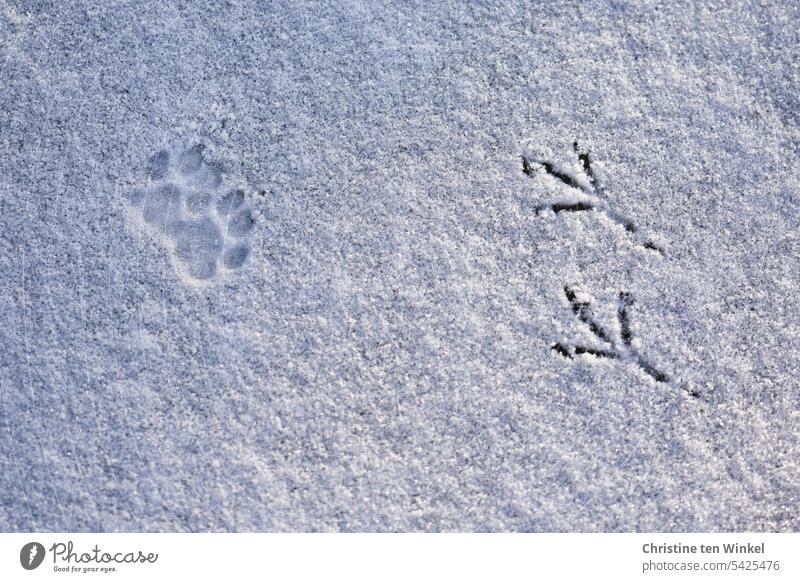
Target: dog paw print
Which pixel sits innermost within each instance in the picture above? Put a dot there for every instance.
(613, 343)
(585, 192)
(204, 225)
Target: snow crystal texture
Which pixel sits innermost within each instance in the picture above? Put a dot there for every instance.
(405, 266)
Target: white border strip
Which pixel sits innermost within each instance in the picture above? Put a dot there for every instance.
(406, 557)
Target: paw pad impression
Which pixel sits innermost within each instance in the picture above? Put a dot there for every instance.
(204, 224)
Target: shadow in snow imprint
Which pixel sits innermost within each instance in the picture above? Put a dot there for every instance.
(618, 346)
(205, 226)
(587, 196)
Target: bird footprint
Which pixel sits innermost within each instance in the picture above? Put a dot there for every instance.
(585, 192)
(617, 344)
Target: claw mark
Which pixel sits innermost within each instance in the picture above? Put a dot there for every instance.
(566, 178)
(651, 371)
(581, 309)
(570, 207)
(625, 302)
(561, 349)
(592, 197)
(586, 162)
(617, 346)
(596, 353)
(527, 169)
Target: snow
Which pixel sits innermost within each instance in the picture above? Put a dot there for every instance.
(383, 359)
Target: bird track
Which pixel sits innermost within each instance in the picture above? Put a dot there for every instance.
(618, 342)
(587, 193)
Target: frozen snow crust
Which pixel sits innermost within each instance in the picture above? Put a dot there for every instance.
(286, 266)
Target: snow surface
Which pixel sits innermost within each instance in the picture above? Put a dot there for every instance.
(420, 335)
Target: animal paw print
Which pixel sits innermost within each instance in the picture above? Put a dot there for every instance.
(585, 192)
(617, 345)
(205, 226)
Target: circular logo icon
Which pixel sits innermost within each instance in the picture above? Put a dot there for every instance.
(31, 555)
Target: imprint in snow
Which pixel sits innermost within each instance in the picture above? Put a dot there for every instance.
(205, 227)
